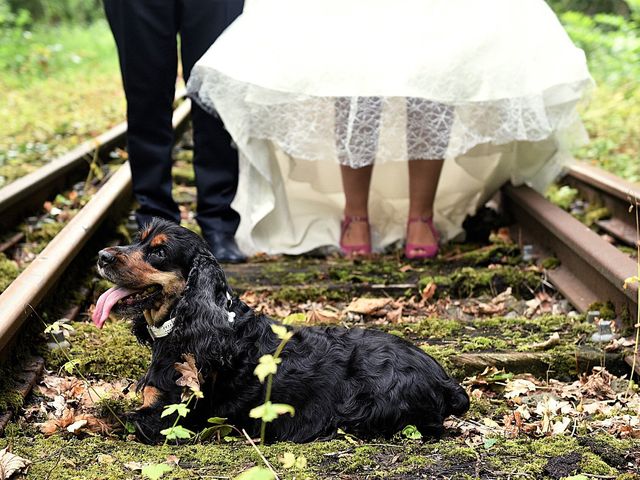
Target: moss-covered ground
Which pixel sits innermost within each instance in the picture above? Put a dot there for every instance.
(484, 317)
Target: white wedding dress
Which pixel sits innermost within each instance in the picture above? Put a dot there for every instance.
(491, 86)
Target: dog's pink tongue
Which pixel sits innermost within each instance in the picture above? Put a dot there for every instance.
(106, 302)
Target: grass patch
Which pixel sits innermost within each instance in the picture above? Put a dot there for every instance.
(61, 87)
(612, 117)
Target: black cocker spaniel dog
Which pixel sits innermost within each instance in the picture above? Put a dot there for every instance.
(365, 382)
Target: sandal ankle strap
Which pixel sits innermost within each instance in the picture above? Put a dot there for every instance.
(428, 219)
(348, 220)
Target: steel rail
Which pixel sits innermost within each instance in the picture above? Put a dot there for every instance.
(615, 193)
(591, 268)
(29, 192)
(22, 296)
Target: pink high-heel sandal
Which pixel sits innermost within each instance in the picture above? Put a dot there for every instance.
(415, 251)
(353, 250)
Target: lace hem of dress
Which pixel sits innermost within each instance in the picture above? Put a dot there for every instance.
(360, 131)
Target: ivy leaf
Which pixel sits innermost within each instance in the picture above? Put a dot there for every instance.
(58, 327)
(181, 408)
(282, 332)
(348, 437)
(294, 319)
(173, 433)
(268, 365)
(288, 460)
(222, 431)
(70, 365)
(268, 411)
(256, 473)
(489, 442)
(217, 420)
(301, 462)
(411, 432)
(155, 471)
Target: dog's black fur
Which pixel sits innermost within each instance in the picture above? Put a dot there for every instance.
(365, 382)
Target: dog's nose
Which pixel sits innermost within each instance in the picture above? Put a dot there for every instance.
(105, 258)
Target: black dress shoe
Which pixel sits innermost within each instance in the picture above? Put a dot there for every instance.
(224, 247)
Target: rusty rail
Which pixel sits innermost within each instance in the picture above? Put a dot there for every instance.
(591, 268)
(20, 299)
(616, 194)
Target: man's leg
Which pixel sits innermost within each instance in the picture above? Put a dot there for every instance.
(215, 160)
(145, 33)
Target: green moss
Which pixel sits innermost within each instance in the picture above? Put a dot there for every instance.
(484, 343)
(593, 215)
(443, 356)
(607, 310)
(468, 282)
(9, 271)
(44, 233)
(497, 253)
(594, 465)
(562, 196)
(550, 263)
(10, 398)
(112, 351)
(183, 173)
(433, 327)
(304, 294)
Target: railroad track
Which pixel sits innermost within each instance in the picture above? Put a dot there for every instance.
(23, 295)
(617, 195)
(591, 268)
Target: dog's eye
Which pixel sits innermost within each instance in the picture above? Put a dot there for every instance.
(159, 253)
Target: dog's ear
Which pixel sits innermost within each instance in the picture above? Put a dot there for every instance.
(202, 319)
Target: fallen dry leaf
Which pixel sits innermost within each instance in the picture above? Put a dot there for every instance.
(10, 464)
(316, 316)
(133, 466)
(189, 375)
(367, 306)
(518, 387)
(552, 341)
(105, 459)
(74, 424)
(598, 384)
(77, 425)
(395, 315)
(429, 291)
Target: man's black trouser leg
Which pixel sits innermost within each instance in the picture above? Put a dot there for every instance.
(215, 161)
(145, 33)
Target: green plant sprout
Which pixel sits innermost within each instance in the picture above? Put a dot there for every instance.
(267, 367)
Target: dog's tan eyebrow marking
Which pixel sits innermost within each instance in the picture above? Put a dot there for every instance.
(145, 233)
(158, 240)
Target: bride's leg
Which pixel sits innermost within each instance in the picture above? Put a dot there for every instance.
(423, 182)
(355, 182)
(428, 131)
(357, 124)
